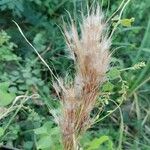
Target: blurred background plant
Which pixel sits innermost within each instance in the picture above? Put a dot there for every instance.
(21, 72)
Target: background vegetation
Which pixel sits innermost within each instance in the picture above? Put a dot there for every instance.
(27, 122)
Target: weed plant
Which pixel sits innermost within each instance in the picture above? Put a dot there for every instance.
(116, 116)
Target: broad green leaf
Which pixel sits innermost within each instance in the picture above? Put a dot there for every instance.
(4, 86)
(48, 125)
(28, 145)
(97, 142)
(5, 97)
(41, 130)
(107, 87)
(45, 129)
(13, 89)
(113, 73)
(44, 142)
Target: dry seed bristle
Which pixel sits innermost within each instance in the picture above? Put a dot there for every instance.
(92, 60)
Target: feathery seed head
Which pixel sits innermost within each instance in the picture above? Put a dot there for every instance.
(91, 49)
(91, 53)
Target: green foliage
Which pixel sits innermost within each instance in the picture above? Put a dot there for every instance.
(21, 72)
(1, 131)
(5, 97)
(6, 48)
(126, 22)
(108, 87)
(113, 73)
(16, 6)
(48, 137)
(97, 143)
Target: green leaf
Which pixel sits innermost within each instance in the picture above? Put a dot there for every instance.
(44, 129)
(6, 54)
(4, 86)
(41, 130)
(107, 87)
(127, 22)
(97, 142)
(47, 136)
(13, 89)
(113, 73)
(1, 131)
(4, 38)
(39, 41)
(28, 145)
(5, 97)
(44, 142)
